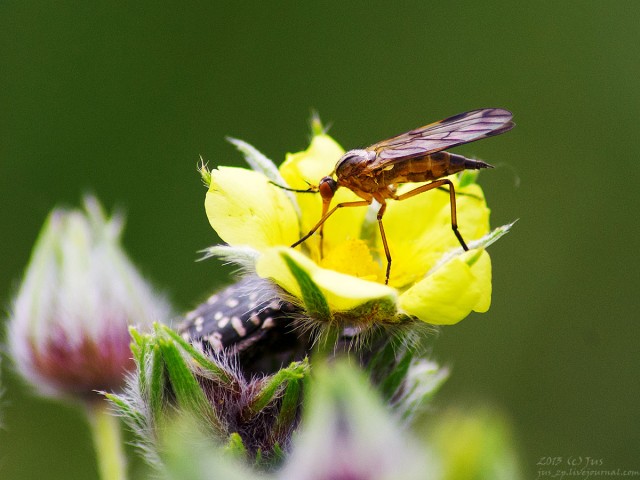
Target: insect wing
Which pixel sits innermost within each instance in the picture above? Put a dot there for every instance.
(450, 132)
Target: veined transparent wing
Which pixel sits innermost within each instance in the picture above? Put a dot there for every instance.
(462, 128)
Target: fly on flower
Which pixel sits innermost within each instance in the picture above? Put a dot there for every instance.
(416, 156)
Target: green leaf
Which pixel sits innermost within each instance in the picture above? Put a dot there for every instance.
(314, 300)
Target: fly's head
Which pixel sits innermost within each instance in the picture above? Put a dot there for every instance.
(327, 188)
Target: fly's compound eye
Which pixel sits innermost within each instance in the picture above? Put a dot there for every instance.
(327, 187)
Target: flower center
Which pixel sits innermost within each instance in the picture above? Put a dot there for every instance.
(353, 257)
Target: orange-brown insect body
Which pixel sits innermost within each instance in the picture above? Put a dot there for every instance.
(412, 157)
(353, 172)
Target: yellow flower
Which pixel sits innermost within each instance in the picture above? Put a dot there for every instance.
(431, 279)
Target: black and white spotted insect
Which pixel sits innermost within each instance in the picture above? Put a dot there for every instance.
(249, 319)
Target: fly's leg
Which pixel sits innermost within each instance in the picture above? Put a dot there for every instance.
(359, 203)
(383, 207)
(452, 202)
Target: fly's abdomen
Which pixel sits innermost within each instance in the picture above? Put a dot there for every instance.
(432, 167)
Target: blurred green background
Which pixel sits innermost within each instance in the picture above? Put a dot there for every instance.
(122, 99)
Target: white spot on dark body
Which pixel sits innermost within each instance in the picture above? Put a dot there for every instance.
(212, 299)
(255, 319)
(198, 321)
(232, 302)
(274, 304)
(215, 340)
(223, 322)
(268, 323)
(237, 325)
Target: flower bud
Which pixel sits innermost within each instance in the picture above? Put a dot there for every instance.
(68, 333)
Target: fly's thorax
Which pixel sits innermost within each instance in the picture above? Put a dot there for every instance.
(354, 163)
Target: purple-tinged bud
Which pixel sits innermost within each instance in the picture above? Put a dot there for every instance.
(68, 333)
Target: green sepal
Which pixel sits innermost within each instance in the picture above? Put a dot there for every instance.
(235, 446)
(314, 300)
(151, 371)
(482, 243)
(257, 160)
(205, 173)
(393, 381)
(291, 401)
(317, 128)
(136, 341)
(380, 310)
(155, 387)
(273, 461)
(277, 455)
(246, 257)
(205, 362)
(294, 372)
(262, 164)
(126, 409)
(139, 344)
(389, 367)
(188, 394)
(421, 386)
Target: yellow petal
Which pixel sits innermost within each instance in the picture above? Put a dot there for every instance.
(449, 294)
(245, 209)
(481, 269)
(311, 164)
(342, 292)
(419, 229)
(307, 168)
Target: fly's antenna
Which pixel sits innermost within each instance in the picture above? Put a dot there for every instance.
(311, 189)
